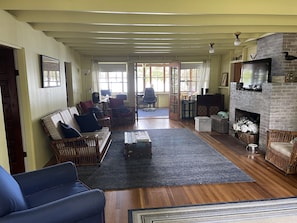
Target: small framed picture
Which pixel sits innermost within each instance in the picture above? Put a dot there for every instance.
(224, 82)
(50, 71)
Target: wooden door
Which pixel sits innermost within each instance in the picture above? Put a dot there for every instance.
(174, 94)
(68, 74)
(237, 72)
(11, 111)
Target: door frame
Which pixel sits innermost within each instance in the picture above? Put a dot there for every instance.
(174, 94)
(20, 166)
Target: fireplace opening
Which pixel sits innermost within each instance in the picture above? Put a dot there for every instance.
(246, 126)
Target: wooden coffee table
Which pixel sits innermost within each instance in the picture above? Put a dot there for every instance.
(137, 145)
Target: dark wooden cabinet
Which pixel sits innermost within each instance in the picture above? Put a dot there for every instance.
(208, 105)
(188, 109)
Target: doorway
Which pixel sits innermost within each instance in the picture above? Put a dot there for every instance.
(10, 101)
(152, 77)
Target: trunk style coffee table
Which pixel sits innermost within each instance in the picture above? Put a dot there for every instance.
(137, 145)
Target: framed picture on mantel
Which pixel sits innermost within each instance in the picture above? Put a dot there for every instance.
(224, 82)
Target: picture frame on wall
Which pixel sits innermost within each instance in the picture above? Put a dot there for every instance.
(224, 81)
(50, 71)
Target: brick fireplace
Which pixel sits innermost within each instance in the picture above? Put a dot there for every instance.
(276, 105)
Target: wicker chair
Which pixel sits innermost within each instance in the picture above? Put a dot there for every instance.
(282, 150)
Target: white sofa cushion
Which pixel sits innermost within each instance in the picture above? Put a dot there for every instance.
(284, 148)
(73, 110)
(51, 123)
(68, 119)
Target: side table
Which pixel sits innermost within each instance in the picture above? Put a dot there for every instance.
(188, 109)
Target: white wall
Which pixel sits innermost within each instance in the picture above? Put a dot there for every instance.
(34, 100)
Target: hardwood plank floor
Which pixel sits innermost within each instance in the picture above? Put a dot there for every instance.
(269, 182)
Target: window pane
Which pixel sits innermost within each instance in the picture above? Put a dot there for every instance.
(116, 81)
(140, 84)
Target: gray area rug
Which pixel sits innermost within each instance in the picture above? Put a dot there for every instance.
(265, 211)
(179, 158)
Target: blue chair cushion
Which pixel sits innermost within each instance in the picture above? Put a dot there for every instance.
(87, 122)
(54, 193)
(11, 196)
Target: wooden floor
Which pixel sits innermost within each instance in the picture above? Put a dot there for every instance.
(269, 182)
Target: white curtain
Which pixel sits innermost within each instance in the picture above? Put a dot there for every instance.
(95, 74)
(203, 81)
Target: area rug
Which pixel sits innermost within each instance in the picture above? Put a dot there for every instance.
(179, 158)
(265, 211)
(158, 112)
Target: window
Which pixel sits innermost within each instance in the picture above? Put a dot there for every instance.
(192, 77)
(153, 75)
(113, 77)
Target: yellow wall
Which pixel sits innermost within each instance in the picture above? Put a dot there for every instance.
(34, 100)
(225, 69)
(163, 100)
(3, 146)
(215, 74)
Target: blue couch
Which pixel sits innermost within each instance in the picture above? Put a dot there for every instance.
(52, 194)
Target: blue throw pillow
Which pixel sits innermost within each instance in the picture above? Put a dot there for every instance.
(11, 196)
(68, 131)
(87, 122)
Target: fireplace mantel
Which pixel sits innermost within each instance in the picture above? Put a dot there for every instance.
(276, 105)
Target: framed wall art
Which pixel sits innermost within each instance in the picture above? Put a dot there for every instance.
(50, 71)
(224, 82)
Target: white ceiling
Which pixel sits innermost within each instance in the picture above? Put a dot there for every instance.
(155, 27)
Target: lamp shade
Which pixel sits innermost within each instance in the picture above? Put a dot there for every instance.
(211, 49)
(237, 41)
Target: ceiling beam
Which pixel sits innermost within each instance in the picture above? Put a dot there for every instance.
(156, 20)
(161, 30)
(148, 36)
(284, 7)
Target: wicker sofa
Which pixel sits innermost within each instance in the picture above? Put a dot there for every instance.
(87, 148)
(282, 150)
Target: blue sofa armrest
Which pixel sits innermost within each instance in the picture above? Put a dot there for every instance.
(87, 206)
(50, 176)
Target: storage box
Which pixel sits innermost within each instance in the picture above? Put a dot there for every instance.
(219, 124)
(203, 124)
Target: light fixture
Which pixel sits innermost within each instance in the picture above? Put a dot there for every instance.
(237, 41)
(211, 49)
